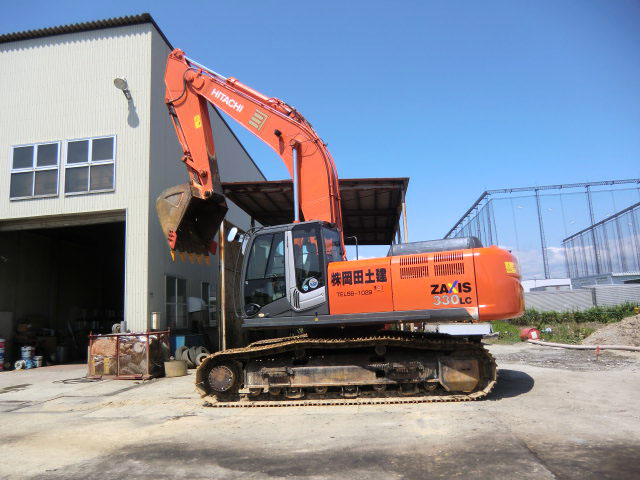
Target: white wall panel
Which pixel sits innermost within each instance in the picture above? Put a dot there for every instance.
(61, 88)
(561, 301)
(583, 298)
(617, 294)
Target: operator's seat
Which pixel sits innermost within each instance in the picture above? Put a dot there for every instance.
(312, 264)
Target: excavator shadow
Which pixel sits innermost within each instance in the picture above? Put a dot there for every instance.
(511, 383)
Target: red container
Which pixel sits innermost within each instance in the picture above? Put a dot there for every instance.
(529, 334)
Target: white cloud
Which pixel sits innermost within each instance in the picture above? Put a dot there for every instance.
(531, 264)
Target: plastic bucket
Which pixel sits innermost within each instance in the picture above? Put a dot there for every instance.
(38, 360)
(175, 368)
(26, 352)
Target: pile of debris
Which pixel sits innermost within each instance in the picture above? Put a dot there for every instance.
(625, 332)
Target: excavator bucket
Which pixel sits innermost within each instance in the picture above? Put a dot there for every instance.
(190, 223)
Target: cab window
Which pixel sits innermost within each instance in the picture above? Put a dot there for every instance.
(265, 279)
(307, 253)
(332, 248)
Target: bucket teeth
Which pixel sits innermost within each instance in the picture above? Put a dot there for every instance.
(173, 255)
(191, 257)
(207, 260)
(199, 258)
(183, 256)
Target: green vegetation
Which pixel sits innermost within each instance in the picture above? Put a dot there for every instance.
(509, 333)
(568, 332)
(534, 318)
(566, 327)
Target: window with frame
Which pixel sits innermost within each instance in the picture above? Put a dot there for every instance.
(307, 258)
(265, 277)
(209, 299)
(176, 302)
(332, 248)
(90, 165)
(34, 170)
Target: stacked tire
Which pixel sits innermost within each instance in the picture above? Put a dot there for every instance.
(192, 355)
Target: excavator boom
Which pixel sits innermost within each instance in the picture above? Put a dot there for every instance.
(188, 212)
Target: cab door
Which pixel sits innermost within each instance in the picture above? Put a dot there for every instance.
(307, 277)
(265, 280)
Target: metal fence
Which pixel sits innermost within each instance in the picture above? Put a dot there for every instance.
(532, 222)
(583, 298)
(611, 245)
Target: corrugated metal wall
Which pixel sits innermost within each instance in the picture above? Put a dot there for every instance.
(581, 299)
(61, 88)
(616, 294)
(560, 301)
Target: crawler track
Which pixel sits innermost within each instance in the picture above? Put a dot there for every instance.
(417, 341)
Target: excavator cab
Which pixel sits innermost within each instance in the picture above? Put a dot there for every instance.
(286, 268)
(189, 222)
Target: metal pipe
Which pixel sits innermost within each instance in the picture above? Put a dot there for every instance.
(222, 330)
(593, 233)
(404, 219)
(356, 239)
(543, 243)
(296, 192)
(192, 61)
(629, 348)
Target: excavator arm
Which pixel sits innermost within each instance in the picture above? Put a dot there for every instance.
(191, 214)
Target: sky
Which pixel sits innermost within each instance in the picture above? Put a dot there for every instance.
(460, 96)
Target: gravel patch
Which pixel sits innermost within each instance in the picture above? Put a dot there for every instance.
(576, 360)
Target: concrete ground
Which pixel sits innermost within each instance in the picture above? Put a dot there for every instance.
(554, 414)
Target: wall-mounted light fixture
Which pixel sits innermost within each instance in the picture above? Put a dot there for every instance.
(121, 84)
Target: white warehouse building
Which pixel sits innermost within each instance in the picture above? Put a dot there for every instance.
(80, 245)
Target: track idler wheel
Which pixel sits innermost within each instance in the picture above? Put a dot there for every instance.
(224, 378)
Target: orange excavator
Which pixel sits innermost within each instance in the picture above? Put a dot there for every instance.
(296, 276)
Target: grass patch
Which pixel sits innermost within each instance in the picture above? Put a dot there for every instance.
(509, 333)
(535, 318)
(567, 333)
(572, 333)
(566, 327)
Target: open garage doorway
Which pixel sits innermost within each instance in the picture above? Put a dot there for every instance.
(58, 284)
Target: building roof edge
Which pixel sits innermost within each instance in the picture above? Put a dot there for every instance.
(84, 27)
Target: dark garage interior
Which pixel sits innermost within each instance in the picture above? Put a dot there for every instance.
(59, 284)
